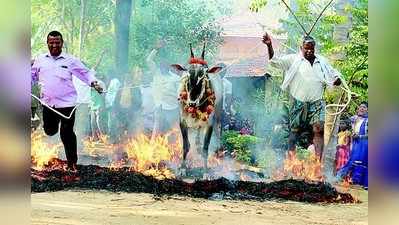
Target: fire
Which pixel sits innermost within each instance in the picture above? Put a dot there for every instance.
(41, 152)
(150, 157)
(309, 168)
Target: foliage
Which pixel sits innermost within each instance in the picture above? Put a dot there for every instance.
(256, 5)
(355, 66)
(178, 22)
(239, 145)
(267, 159)
(64, 16)
(302, 153)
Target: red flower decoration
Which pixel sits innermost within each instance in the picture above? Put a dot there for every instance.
(197, 61)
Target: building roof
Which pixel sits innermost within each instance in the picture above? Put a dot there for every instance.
(242, 50)
(245, 23)
(248, 68)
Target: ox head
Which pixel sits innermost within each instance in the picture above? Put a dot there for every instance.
(197, 71)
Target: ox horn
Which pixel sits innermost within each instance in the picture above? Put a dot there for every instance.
(191, 50)
(203, 52)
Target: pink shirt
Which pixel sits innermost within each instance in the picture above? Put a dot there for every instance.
(54, 75)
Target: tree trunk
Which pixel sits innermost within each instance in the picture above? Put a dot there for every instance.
(82, 26)
(122, 22)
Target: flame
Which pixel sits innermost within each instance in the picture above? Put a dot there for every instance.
(151, 156)
(307, 169)
(41, 152)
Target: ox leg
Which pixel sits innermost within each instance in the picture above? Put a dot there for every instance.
(186, 146)
(207, 140)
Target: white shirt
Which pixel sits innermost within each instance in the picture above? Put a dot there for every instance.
(83, 91)
(113, 88)
(227, 90)
(305, 82)
(165, 91)
(147, 100)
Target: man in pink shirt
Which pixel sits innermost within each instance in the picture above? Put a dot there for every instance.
(53, 71)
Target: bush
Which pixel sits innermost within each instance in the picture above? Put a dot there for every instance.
(239, 146)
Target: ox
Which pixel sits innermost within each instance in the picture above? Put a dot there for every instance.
(201, 104)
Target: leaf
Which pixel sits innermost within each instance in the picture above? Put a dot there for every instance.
(256, 5)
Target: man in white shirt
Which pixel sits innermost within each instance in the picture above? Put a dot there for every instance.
(227, 94)
(165, 92)
(305, 77)
(110, 97)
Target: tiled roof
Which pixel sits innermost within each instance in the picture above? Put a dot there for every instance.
(251, 67)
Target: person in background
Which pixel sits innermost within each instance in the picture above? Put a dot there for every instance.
(165, 90)
(111, 110)
(343, 147)
(130, 103)
(227, 98)
(97, 111)
(357, 166)
(148, 104)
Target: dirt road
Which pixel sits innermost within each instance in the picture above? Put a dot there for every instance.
(103, 208)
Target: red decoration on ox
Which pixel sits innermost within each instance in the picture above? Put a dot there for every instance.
(197, 61)
(209, 109)
(191, 110)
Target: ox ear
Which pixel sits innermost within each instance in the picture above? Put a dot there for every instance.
(178, 67)
(214, 69)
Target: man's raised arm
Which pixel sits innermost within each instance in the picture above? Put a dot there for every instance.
(268, 42)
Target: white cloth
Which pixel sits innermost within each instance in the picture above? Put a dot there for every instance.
(148, 106)
(147, 99)
(113, 88)
(82, 90)
(305, 82)
(358, 123)
(227, 90)
(165, 91)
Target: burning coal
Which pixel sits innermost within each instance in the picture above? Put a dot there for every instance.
(149, 166)
(100, 178)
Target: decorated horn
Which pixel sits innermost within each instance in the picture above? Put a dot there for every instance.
(191, 50)
(203, 52)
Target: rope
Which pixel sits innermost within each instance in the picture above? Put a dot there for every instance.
(54, 110)
(314, 24)
(296, 18)
(346, 89)
(130, 87)
(349, 93)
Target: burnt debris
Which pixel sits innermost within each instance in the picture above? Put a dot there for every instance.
(124, 180)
